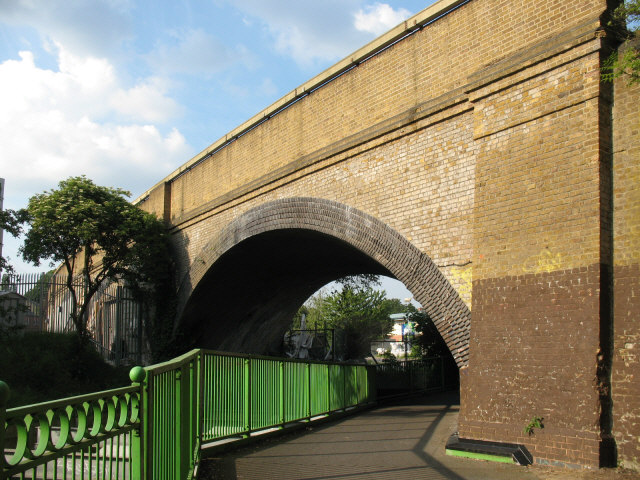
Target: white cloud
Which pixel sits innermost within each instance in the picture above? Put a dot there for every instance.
(146, 102)
(308, 31)
(311, 32)
(81, 120)
(379, 18)
(89, 26)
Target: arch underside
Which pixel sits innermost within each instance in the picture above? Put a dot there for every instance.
(245, 286)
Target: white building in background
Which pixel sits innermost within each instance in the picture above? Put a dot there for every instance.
(403, 332)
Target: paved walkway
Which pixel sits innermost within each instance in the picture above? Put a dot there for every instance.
(400, 442)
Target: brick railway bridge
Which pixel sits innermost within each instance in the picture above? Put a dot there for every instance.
(474, 154)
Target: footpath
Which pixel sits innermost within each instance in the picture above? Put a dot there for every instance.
(400, 442)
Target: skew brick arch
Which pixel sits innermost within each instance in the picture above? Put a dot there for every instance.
(360, 231)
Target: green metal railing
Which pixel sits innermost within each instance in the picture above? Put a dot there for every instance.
(155, 428)
(91, 436)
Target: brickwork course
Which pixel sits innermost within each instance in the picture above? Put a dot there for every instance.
(474, 154)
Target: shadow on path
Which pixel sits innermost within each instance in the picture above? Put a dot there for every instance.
(403, 441)
(388, 442)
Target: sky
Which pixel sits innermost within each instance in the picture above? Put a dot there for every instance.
(126, 91)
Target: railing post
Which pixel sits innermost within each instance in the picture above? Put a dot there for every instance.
(200, 390)
(183, 423)
(118, 333)
(4, 398)
(308, 365)
(410, 366)
(328, 388)
(343, 372)
(282, 394)
(149, 427)
(192, 397)
(138, 435)
(247, 396)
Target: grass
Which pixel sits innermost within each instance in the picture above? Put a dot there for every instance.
(45, 366)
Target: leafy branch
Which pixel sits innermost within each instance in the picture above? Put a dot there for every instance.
(536, 422)
(626, 20)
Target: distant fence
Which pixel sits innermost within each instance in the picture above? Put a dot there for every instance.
(114, 318)
(155, 428)
(423, 375)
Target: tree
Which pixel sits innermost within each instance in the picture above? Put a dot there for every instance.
(429, 342)
(355, 310)
(313, 307)
(97, 234)
(360, 315)
(151, 277)
(626, 19)
(10, 222)
(362, 281)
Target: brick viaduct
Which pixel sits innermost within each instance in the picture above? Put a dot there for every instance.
(472, 153)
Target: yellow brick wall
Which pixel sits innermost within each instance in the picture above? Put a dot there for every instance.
(422, 67)
(430, 175)
(408, 75)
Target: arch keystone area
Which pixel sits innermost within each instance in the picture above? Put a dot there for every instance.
(361, 231)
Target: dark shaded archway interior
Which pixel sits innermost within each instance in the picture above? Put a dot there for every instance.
(246, 301)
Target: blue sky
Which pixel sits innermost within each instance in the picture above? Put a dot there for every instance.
(125, 91)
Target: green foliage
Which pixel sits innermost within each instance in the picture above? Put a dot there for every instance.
(628, 14)
(430, 342)
(45, 366)
(96, 233)
(388, 357)
(11, 222)
(626, 19)
(627, 64)
(361, 315)
(416, 351)
(536, 422)
(362, 281)
(151, 277)
(312, 310)
(357, 310)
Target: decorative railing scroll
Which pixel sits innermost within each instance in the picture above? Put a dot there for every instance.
(87, 436)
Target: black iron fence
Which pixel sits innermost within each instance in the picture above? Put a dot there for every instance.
(412, 376)
(43, 302)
